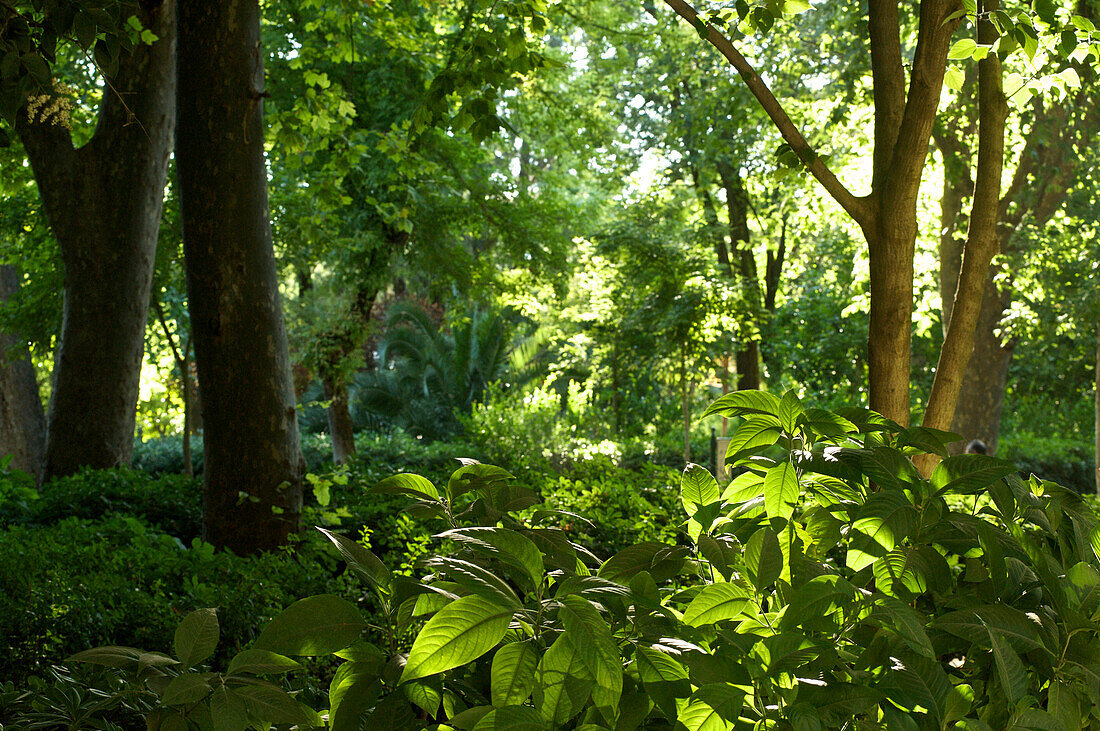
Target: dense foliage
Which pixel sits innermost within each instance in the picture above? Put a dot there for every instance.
(828, 583)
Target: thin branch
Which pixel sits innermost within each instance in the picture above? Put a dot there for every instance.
(855, 207)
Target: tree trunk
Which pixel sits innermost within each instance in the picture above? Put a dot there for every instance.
(22, 422)
(339, 420)
(252, 476)
(978, 412)
(737, 204)
(104, 204)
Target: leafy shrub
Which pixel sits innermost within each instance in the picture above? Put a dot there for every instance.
(171, 504)
(164, 455)
(80, 583)
(829, 585)
(1068, 462)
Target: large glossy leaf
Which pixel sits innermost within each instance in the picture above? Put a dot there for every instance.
(591, 635)
(924, 439)
(408, 484)
(261, 662)
(316, 625)
(563, 684)
(461, 632)
(506, 545)
(746, 486)
(763, 558)
(790, 409)
(513, 673)
(122, 657)
(270, 703)
(889, 468)
(661, 561)
(476, 579)
(740, 403)
(353, 691)
(884, 521)
(228, 710)
(698, 488)
(921, 683)
(781, 490)
(187, 688)
(475, 476)
(511, 718)
(1010, 669)
(196, 637)
(716, 603)
(966, 474)
(364, 563)
(755, 432)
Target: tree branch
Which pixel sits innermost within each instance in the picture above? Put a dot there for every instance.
(855, 207)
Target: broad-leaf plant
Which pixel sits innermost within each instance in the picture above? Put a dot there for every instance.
(827, 585)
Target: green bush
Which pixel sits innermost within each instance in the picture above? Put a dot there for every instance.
(80, 583)
(830, 585)
(170, 504)
(1068, 462)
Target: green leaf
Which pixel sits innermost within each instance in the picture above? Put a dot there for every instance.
(714, 707)
(661, 561)
(228, 710)
(698, 488)
(716, 603)
(886, 519)
(461, 632)
(1010, 670)
(563, 684)
(316, 625)
(513, 674)
(756, 431)
(953, 78)
(476, 579)
(781, 490)
(591, 635)
(364, 563)
(354, 690)
(122, 657)
(269, 703)
(963, 48)
(475, 476)
(186, 688)
(261, 662)
(790, 407)
(408, 484)
(196, 637)
(511, 718)
(507, 545)
(966, 474)
(763, 558)
(745, 487)
(740, 403)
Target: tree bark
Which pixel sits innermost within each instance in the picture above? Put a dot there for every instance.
(981, 239)
(22, 421)
(104, 204)
(978, 412)
(339, 420)
(252, 477)
(737, 205)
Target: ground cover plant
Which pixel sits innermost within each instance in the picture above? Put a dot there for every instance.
(829, 585)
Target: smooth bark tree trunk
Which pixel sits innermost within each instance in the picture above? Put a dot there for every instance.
(978, 412)
(737, 205)
(104, 204)
(339, 420)
(22, 421)
(252, 476)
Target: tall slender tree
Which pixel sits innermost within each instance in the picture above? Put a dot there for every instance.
(252, 475)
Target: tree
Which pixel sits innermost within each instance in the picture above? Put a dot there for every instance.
(252, 476)
(104, 203)
(903, 123)
(22, 423)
